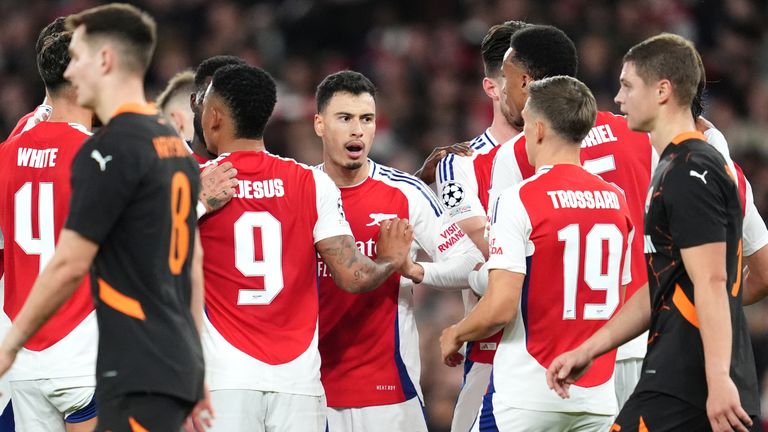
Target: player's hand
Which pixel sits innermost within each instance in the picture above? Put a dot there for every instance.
(394, 243)
(427, 171)
(202, 413)
(565, 369)
(449, 347)
(724, 406)
(7, 357)
(217, 185)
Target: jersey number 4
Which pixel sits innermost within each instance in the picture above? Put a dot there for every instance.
(270, 267)
(594, 264)
(45, 243)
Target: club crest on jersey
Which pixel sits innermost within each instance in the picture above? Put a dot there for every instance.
(377, 218)
(453, 195)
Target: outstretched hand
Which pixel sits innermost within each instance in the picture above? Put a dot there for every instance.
(565, 369)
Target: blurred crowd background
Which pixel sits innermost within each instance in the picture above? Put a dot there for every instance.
(424, 58)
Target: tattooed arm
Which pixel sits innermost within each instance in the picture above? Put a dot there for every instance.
(356, 273)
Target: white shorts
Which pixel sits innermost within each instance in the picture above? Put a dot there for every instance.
(406, 416)
(258, 411)
(470, 399)
(626, 376)
(507, 419)
(45, 404)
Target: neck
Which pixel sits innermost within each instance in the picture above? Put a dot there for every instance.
(66, 110)
(118, 91)
(199, 148)
(242, 144)
(558, 151)
(500, 127)
(344, 177)
(676, 121)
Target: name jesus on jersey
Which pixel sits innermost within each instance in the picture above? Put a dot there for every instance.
(37, 158)
(257, 189)
(584, 199)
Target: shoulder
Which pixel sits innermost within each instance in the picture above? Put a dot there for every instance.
(412, 187)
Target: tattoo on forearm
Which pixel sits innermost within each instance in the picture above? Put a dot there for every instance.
(342, 255)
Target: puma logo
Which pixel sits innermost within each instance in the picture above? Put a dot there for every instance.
(377, 218)
(701, 176)
(102, 161)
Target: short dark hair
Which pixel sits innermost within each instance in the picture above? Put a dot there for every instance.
(250, 95)
(56, 26)
(345, 81)
(182, 84)
(52, 49)
(671, 57)
(126, 24)
(209, 66)
(566, 103)
(544, 51)
(496, 43)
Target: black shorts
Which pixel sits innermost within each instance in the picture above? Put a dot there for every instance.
(659, 412)
(142, 411)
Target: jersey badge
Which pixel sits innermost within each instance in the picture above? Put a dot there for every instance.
(377, 218)
(101, 160)
(699, 176)
(453, 195)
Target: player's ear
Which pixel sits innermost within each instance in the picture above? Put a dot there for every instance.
(106, 59)
(663, 91)
(319, 125)
(492, 88)
(541, 129)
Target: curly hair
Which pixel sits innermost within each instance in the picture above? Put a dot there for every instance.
(250, 95)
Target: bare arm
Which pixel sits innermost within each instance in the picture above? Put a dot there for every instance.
(356, 273)
(496, 309)
(198, 284)
(756, 276)
(474, 227)
(55, 285)
(629, 322)
(705, 265)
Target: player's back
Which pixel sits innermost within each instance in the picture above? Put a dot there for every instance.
(261, 275)
(578, 231)
(34, 198)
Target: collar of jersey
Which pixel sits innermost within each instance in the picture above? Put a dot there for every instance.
(544, 168)
(136, 108)
(688, 135)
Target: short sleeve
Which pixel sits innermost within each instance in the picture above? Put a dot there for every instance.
(695, 203)
(330, 211)
(754, 234)
(457, 188)
(510, 242)
(105, 174)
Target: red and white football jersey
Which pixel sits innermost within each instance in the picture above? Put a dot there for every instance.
(569, 232)
(34, 198)
(619, 156)
(260, 271)
(368, 342)
(463, 183)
